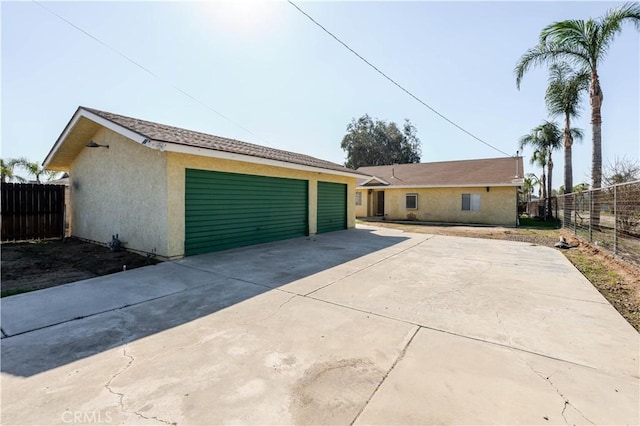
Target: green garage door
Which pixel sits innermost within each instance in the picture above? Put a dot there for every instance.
(226, 210)
(332, 206)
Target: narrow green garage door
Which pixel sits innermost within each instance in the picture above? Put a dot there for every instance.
(226, 210)
(332, 206)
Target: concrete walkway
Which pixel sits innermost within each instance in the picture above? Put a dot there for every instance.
(368, 326)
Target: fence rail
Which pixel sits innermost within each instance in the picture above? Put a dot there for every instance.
(607, 217)
(32, 211)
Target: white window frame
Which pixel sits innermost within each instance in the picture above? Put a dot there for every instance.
(406, 200)
(358, 198)
(474, 202)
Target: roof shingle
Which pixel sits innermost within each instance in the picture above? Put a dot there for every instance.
(170, 134)
(487, 171)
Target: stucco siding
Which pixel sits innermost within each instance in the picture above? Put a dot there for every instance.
(361, 210)
(497, 206)
(120, 190)
(177, 163)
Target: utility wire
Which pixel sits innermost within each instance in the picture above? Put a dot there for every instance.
(147, 70)
(395, 83)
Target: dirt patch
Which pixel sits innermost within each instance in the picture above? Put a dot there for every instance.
(35, 265)
(618, 281)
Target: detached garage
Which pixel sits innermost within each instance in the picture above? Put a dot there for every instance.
(174, 192)
(332, 206)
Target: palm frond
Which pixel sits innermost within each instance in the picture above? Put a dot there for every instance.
(549, 53)
(577, 133)
(565, 89)
(610, 25)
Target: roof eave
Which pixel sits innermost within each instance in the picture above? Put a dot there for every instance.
(213, 153)
(461, 185)
(80, 113)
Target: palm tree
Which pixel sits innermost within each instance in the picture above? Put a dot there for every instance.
(545, 138)
(539, 157)
(563, 98)
(35, 169)
(583, 44)
(530, 182)
(7, 171)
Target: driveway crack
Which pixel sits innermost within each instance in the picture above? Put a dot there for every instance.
(120, 395)
(543, 376)
(274, 312)
(398, 359)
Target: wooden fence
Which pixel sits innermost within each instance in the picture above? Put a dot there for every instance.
(32, 211)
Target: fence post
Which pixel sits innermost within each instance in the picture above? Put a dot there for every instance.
(575, 216)
(615, 220)
(591, 216)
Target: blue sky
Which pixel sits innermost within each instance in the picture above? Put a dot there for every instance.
(266, 67)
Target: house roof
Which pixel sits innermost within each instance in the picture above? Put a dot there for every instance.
(482, 172)
(85, 122)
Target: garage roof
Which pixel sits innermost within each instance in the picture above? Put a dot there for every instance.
(86, 122)
(503, 171)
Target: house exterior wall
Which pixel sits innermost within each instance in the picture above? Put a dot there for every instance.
(361, 210)
(178, 163)
(120, 190)
(497, 206)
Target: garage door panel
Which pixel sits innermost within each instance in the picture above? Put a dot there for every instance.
(226, 210)
(332, 206)
(239, 227)
(225, 243)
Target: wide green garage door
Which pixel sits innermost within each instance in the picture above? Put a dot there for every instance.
(332, 206)
(226, 210)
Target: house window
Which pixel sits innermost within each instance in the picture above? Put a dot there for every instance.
(471, 202)
(411, 201)
(358, 198)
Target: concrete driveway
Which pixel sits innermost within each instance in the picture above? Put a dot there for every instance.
(366, 326)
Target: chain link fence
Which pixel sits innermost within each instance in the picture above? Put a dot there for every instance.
(606, 217)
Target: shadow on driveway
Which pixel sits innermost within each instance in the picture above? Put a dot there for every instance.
(50, 328)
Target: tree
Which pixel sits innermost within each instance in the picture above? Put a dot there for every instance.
(624, 173)
(544, 138)
(539, 157)
(583, 44)
(7, 170)
(379, 143)
(34, 169)
(530, 182)
(563, 99)
(622, 170)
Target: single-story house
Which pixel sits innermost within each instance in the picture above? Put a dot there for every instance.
(483, 191)
(173, 192)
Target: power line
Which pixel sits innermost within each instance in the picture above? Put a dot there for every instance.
(147, 70)
(396, 83)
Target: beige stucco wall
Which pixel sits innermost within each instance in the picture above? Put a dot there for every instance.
(139, 193)
(497, 206)
(361, 210)
(120, 190)
(178, 163)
